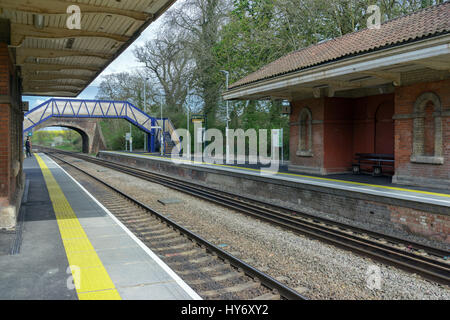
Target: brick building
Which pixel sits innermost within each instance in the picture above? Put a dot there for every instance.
(384, 91)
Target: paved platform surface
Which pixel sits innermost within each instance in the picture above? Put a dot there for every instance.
(67, 235)
(380, 186)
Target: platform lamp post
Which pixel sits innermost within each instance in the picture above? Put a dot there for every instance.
(131, 140)
(145, 110)
(162, 127)
(227, 147)
(188, 144)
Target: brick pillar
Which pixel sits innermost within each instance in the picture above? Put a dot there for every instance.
(11, 154)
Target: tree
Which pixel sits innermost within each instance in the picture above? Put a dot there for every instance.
(202, 21)
(250, 39)
(309, 21)
(169, 65)
(122, 86)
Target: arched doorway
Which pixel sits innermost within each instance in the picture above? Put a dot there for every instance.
(384, 129)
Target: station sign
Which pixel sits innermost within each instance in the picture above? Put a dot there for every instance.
(198, 118)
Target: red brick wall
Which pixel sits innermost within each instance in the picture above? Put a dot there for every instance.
(10, 130)
(317, 109)
(5, 148)
(429, 130)
(347, 126)
(430, 225)
(384, 128)
(338, 134)
(364, 124)
(4, 151)
(5, 66)
(405, 97)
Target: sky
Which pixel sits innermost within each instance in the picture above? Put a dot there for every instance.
(123, 63)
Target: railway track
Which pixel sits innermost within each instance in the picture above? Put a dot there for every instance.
(210, 271)
(427, 261)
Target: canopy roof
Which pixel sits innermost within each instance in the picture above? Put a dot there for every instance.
(58, 61)
(409, 31)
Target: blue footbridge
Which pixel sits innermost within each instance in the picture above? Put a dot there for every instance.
(106, 109)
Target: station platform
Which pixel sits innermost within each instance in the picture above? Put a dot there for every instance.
(67, 246)
(361, 184)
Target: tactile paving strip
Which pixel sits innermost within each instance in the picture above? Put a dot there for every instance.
(91, 279)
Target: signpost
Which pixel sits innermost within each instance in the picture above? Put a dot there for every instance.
(281, 144)
(129, 139)
(200, 118)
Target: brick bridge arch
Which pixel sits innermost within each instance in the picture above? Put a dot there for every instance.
(89, 129)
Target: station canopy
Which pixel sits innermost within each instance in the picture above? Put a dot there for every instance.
(55, 60)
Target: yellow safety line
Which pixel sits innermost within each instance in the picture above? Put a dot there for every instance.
(91, 279)
(302, 176)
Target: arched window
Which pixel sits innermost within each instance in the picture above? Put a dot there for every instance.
(305, 133)
(427, 134)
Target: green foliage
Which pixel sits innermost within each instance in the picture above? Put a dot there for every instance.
(114, 131)
(249, 40)
(68, 140)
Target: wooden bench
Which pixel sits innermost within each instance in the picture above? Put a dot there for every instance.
(377, 161)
